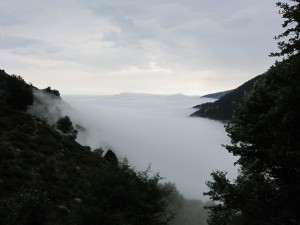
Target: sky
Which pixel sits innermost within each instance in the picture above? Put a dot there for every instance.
(91, 47)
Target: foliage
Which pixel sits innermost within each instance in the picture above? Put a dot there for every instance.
(291, 43)
(111, 157)
(128, 197)
(15, 91)
(66, 126)
(28, 207)
(46, 178)
(52, 91)
(264, 134)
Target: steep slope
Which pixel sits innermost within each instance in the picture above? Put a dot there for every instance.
(48, 178)
(222, 109)
(216, 95)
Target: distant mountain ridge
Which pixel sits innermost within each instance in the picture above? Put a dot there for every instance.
(216, 95)
(222, 109)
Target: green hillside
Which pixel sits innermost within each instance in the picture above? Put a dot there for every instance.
(222, 109)
(48, 178)
(216, 95)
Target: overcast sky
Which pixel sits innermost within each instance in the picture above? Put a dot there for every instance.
(192, 47)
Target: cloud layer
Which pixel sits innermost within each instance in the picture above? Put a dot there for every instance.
(88, 47)
(155, 129)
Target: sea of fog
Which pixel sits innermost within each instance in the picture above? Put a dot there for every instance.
(155, 129)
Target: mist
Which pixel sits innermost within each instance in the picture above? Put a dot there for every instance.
(156, 130)
(151, 129)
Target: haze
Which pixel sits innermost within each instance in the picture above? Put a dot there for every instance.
(155, 129)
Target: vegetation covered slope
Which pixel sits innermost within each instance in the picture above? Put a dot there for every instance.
(216, 95)
(48, 178)
(223, 108)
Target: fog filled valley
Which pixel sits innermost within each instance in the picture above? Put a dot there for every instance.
(156, 129)
(142, 159)
(152, 130)
(54, 174)
(99, 149)
(148, 135)
(128, 159)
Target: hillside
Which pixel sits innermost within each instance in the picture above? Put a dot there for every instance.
(46, 177)
(223, 108)
(216, 95)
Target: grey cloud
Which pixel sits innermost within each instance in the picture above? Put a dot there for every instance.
(139, 20)
(13, 42)
(109, 8)
(9, 17)
(130, 33)
(19, 12)
(179, 36)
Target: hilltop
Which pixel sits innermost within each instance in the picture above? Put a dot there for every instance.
(222, 109)
(46, 177)
(216, 95)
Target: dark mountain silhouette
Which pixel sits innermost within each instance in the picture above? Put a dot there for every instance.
(222, 108)
(216, 95)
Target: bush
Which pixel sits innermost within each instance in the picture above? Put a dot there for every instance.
(52, 91)
(18, 93)
(28, 207)
(65, 125)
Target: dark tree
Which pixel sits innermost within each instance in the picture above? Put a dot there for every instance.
(66, 126)
(121, 195)
(265, 135)
(291, 14)
(18, 93)
(52, 91)
(111, 157)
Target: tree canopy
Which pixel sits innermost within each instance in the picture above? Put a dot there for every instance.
(291, 43)
(15, 91)
(52, 91)
(265, 136)
(65, 125)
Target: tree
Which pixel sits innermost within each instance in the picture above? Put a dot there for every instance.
(52, 91)
(121, 195)
(18, 93)
(265, 135)
(291, 14)
(65, 125)
(111, 157)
